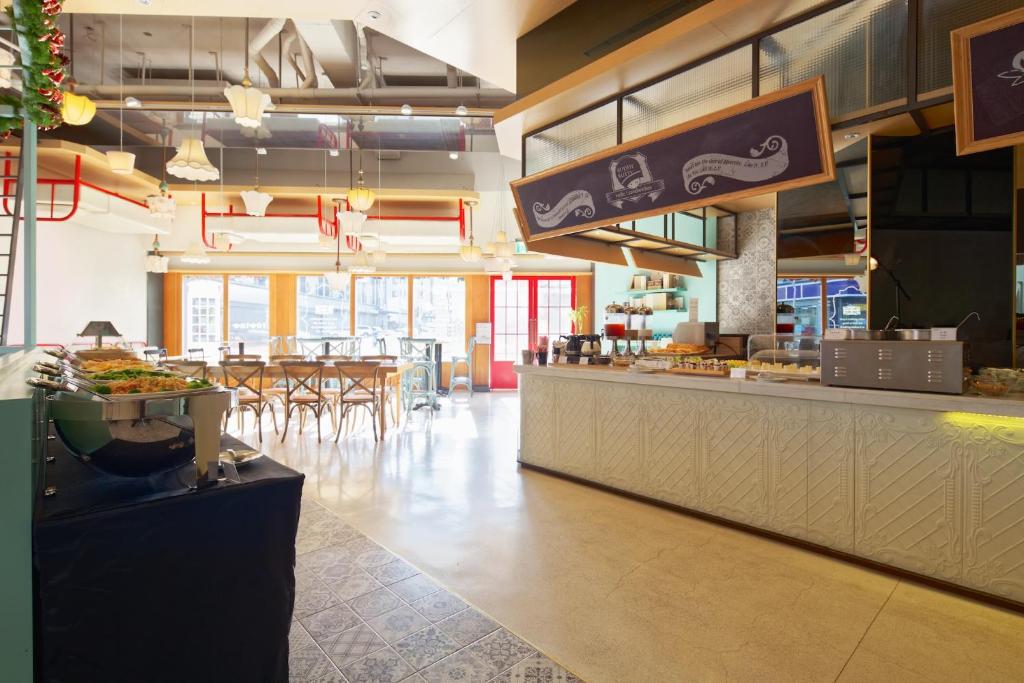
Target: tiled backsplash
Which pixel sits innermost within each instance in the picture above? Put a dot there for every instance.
(746, 285)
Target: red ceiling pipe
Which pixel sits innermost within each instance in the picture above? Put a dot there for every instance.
(76, 183)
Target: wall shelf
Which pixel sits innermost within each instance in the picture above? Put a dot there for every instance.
(637, 293)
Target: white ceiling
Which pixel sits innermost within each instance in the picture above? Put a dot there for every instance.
(477, 36)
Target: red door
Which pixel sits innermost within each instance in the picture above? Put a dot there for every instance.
(521, 309)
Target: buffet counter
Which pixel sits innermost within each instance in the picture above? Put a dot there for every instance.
(925, 483)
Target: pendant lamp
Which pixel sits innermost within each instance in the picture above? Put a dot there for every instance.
(469, 252)
(195, 254)
(256, 202)
(162, 205)
(361, 198)
(77, 110)
(247, 103)
(190, 162)
(121, 162)
(155, 261)
(362, 264)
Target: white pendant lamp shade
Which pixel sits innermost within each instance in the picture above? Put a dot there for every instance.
(461, 110)
(191, 163)
(122, 163)
(362, 264)
(161, 206)
(248, 104)
(77, 110)
(361, 198)
(156, 263)
(470, 253)
(256, 202)
(351, 221)
(195, 254)
(336, 279)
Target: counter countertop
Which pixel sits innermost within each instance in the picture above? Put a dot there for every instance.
(1006, 407)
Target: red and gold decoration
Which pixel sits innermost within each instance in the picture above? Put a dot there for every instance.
(43, 66)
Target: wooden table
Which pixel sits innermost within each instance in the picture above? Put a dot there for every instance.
(274, 372)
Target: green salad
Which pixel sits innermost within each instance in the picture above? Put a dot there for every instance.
(131, 373)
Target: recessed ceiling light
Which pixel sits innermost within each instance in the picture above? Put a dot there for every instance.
(852, 136)
(374, 14)
(132, 102)
(261, 150)
(461, 110)
(333, 152)
(146, 3)
(406, 110)
(453, 155)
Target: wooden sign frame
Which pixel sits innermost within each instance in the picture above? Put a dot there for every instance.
(963, 86)
(815, 87)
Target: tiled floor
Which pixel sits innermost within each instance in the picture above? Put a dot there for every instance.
(620, 591)
(364, 615)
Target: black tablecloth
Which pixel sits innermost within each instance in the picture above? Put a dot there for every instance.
(143, 580)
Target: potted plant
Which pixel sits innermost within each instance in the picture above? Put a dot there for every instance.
(577, 316)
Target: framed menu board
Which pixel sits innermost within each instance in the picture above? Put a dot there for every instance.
(774, 142)
(988, 83)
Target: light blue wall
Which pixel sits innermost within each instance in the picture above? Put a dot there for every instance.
(611, 282)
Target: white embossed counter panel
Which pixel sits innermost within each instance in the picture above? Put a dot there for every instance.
(909, 480)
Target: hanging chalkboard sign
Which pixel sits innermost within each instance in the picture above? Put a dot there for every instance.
(988, 83)
(770, 143)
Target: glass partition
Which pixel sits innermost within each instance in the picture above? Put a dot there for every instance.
(589, 132)
(865, 68)
(701, 90)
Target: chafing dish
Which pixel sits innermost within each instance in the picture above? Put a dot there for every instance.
(136, 434)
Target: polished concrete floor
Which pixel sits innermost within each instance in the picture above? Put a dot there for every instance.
(617, 590)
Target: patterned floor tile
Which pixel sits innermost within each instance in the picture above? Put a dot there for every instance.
(398, 624)
(501, 650)
(374, 558)
(308, 664)
(333, 677)
(439, 605)
(537, 669)
(461, 667)
(355, 584)
(322, 559)
(298, 637)
(389, 573)
(353, 644)
(311, 596)
(425, 647)
(361, 544)
(330, 622)
(375, 603)
(384, 666)
(414, 588)
(323, 534)
(468, 626)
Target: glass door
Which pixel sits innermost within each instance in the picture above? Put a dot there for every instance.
(521, 309)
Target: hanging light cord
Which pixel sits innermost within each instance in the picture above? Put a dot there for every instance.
(120, 73)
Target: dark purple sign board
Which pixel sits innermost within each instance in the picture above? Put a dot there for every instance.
(988, 83)
(774, 142)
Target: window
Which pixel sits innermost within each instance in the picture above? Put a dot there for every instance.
(249, 312)
(320, 311)
(832, 301)
(382, 313)
(202, 314)
(439, 312)
(554, 303)
(511, 318)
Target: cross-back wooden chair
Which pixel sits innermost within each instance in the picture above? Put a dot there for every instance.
(359, 388)
(234, 357)
(304, 392)
(247, 377)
